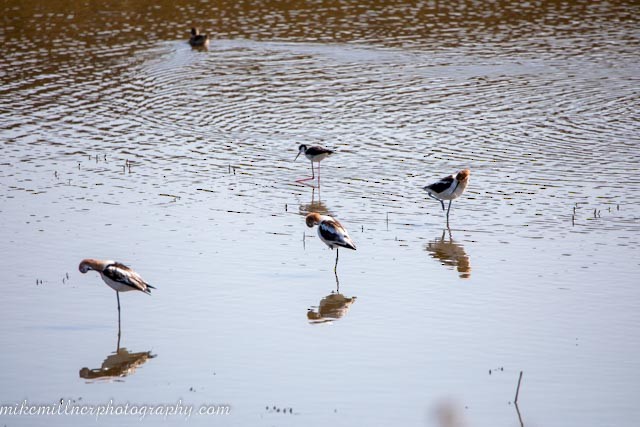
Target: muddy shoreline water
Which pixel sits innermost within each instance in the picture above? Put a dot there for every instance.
(117, 140)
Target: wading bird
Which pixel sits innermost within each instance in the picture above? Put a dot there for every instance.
(119, 277)
(314, 154)
(331, 232)
(197, 39)
(449, 188)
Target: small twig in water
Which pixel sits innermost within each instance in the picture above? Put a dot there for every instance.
(518, 389)
(170, 195)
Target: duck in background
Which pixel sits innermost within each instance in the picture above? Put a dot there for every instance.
(197, 39)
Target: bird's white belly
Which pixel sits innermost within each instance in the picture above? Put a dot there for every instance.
(117, 286)
(453, 192)
(317, 157)
(448, 194)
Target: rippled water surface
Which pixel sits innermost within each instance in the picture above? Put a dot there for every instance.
(120, 141)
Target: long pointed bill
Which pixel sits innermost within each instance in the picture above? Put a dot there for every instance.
(297, 156)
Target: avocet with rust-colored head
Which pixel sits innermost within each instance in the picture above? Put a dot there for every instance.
(331, 232)
(314, 154)
(118, 276)
(449, 188)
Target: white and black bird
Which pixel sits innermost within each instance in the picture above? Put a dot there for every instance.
(197, 39)
(117, 276)
(314, 154)
(449, 188)
(331, 232)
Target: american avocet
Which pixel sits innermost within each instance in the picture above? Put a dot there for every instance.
(119, 364)
(450, 253)
(197, 39)
(332, 307)
(449, 188)
(314, 154)
(331, 232)
(119, 277)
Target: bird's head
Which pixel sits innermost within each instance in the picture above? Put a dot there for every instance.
(463, 175)
(91, 264)
(301, 150)
(194, 31)
(312, 219)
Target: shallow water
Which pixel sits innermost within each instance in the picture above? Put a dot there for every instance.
(120, 141)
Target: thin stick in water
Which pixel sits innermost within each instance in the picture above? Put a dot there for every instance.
(518, 389)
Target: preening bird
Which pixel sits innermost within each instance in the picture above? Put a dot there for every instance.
(331, 232)
(117, 276)
(449, 188)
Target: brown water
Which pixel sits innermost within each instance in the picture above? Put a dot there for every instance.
(119, 141)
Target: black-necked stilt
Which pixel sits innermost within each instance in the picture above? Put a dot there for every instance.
(119, 277)
(331, 232)
(314, 154)
(449, 188)
(197, 39)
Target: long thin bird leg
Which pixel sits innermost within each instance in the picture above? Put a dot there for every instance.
(118, 346)
(449, 208)
(302, 181)
(313, 176)
(118, 298)
(435, 198)
(318, 174)
(335, 267)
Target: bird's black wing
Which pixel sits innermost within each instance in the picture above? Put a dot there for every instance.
(442, 185)
(329, 233)
(316, 150)
(334, 232)
(122, 274)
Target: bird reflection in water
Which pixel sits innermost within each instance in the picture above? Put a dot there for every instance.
(117, 365)
(450, 253)
(332, 307)
(120, 364)
(314, 205)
